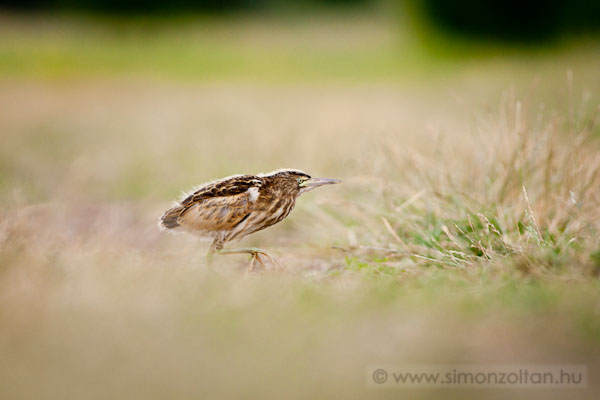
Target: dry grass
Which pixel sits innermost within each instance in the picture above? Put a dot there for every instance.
(466, 231)
(520, 189)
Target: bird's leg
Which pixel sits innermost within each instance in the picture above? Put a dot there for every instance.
(255, 254)
(209, 257)
(216, 245)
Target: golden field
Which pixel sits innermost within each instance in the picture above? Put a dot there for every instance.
(466, 229)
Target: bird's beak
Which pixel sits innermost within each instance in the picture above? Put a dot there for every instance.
(312, 183)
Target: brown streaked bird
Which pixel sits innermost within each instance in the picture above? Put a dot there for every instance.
(228, 209)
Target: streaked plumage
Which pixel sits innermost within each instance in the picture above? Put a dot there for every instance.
(231, 208)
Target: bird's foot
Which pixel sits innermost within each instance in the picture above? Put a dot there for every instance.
(256, 255)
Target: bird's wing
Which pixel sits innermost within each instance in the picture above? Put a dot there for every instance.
(217, 206)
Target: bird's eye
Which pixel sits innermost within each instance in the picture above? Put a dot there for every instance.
(299, 180)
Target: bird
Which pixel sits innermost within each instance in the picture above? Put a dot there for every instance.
(231, 208)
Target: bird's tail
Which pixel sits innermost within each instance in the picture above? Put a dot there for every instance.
(170, 217)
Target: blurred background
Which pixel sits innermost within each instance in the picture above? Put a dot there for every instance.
(467, 229)
(279, 39)
(90, 60)
(509, 20)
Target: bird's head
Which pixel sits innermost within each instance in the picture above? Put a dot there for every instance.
(297, 182)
